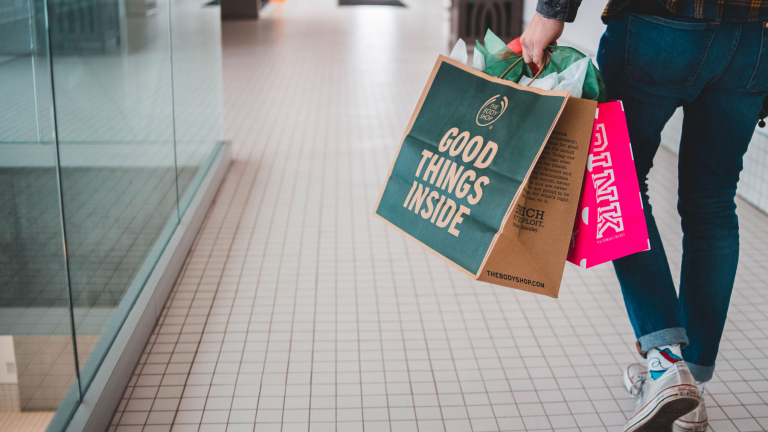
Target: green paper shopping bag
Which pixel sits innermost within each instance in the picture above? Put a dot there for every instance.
(458, 185)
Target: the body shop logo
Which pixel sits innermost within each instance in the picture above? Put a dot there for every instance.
(491, 110)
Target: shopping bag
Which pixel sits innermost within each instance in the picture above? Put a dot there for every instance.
(610, 222)
(459, 184)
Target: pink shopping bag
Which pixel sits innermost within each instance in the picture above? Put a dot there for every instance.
(610, 223)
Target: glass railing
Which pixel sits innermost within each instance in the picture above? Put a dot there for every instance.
(110, 114)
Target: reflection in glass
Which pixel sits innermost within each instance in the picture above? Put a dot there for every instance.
(117, 78)
(196, 49)
(37, 361)
(99, 136)
(114, 110)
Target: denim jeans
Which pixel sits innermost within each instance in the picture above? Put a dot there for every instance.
(718, 73)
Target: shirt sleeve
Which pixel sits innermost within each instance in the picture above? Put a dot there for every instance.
(563, 10)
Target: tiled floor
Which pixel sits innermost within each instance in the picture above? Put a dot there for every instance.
(45, 365)
(25, 422)
(297, 311)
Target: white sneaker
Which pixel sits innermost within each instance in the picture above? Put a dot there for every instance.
(694, 421)
(661, 401)
(634, 378)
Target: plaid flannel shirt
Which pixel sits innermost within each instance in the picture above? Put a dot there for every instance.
(713, 10)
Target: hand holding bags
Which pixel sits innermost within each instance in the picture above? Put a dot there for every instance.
(463, 183)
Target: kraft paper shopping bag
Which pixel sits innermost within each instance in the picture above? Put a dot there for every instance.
(458, 183)
(610, 222)
(544, 214)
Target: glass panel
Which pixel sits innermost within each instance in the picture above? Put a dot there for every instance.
(88, 158)
(37, 360)
(114, 108)
(196, 37)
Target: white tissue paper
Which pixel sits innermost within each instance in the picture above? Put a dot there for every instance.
(571, 79)
(548, 82)
(459, 52)
(478, 61)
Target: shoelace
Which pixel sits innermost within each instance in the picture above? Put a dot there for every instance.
(637, 385)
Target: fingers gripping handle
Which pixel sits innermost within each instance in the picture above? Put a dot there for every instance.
(546, 60)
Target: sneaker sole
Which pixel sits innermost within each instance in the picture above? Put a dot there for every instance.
(684, 426)
(660, 414)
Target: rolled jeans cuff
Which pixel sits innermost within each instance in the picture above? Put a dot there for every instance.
(670, 336)
(701, 373)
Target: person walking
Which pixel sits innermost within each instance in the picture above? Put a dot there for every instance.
(711, 58)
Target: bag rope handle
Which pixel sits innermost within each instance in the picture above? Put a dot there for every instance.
(546, 60)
